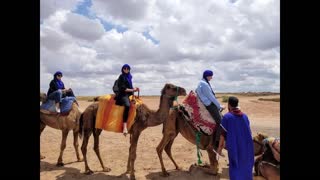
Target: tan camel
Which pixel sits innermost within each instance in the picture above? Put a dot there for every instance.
(65, 123)
(265, 163)
(144, 118)
(175, 124)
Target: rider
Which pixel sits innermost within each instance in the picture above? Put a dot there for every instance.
(126, 89)
(57, 91)
(208, 98)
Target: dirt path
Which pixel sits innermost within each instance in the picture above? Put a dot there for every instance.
(264, 117)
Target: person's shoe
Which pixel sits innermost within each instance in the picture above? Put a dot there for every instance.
(125, 131)
(58, 110)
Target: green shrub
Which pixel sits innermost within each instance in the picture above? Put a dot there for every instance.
(225, 98)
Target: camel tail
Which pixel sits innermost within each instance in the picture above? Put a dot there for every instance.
(81, 126)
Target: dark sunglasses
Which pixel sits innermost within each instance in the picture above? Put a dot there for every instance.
(60, 75)
(126, 68)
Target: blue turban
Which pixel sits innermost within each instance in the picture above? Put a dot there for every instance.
(207, 73)
(57, 73)
(128, 76)
(60, 84)
(125, 66)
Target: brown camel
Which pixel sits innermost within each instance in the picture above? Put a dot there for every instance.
(65, 123)
(265, 164)
(175, 124)
(144, 118)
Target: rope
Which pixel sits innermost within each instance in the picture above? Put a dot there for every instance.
(198, 136)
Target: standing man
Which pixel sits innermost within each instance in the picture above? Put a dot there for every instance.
(239, 144)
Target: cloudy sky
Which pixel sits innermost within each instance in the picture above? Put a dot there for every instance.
(164, 41)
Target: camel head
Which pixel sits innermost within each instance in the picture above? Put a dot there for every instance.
(257, 142)
(43, 97)
(172, 92)
(260, 137)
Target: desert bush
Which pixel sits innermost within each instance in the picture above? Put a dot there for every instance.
(225, 98)
(269, 99)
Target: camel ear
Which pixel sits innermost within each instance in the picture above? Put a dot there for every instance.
(168, 86)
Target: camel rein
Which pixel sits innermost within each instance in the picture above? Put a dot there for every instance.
(198, 136)
(175, 98)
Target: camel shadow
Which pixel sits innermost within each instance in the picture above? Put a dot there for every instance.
(71, 173)
(45, 166)
(186, 175)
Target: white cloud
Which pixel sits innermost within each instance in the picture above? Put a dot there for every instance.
(49, 7)
(81, 27)
(238, 40)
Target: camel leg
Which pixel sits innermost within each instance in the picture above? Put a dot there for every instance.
(268, 172)
(129, 157)
(133, 152)
(213, 162)
(62, 146)
(86, 136)
(163, 143)
(96, 135)
(168, 151)
(76, 144)
(42, 126)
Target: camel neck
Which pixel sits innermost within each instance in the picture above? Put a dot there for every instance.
(162, 113)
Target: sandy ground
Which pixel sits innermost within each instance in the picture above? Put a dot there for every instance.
(114, 148)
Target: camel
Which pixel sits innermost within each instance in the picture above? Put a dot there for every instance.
(63, 123)
(265, 163)
(175, 124)
(144, 118)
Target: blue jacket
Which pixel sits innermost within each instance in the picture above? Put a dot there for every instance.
(205, 94)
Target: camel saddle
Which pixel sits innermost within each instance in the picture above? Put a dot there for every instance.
(110, 116)
(197, 114)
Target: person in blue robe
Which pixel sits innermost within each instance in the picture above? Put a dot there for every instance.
(238, 141)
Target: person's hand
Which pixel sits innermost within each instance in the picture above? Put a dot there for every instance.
(222, 108)
(136, 89)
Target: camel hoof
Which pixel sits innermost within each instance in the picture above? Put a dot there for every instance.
(59, 164)
(178, 168)
(106, 169)
(132, 177)
(88, 172)
(165, 174)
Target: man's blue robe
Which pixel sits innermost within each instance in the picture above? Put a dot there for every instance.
(239, 145)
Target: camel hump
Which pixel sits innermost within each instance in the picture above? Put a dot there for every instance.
(109, 115)
(44, 111)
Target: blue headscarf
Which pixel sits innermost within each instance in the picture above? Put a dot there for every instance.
(207, 73)
(127, 75)
(58, 81)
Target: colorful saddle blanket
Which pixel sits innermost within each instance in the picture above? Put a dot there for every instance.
(109, 115)
(200, 117)
(65, 105)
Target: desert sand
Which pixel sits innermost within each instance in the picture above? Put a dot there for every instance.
(114, 148)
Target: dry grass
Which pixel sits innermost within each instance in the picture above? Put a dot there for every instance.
(269, 99)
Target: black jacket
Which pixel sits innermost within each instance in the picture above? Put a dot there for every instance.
(123, 84)
(53, 87)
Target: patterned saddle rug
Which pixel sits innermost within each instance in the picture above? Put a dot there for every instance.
(199, 117)
(109, 115)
